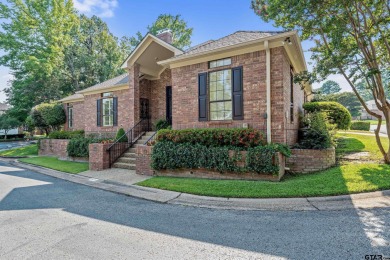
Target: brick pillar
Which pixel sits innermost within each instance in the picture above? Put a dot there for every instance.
(99, 158)
(134, 94)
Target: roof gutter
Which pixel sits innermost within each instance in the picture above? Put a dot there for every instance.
(188, 57)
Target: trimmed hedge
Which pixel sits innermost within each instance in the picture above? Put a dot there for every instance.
(260, 159)
(214, 137)
(360, 125)
(79, 147)
(337, 113)
(66, 134)
(121, 136)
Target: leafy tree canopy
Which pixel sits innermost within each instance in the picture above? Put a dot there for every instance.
(352, 38)
(330, 87)
(7, 122)
(181, 33)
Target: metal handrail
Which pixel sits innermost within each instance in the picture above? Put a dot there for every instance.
(133, 134)
(152, 137)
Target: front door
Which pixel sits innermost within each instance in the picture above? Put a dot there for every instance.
(144, 108)
(169, 104)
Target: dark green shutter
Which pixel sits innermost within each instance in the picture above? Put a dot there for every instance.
(237, 94)
(115, 111)
(99, 112)
(202, 96)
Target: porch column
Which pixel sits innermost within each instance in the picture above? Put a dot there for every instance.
(134, 109)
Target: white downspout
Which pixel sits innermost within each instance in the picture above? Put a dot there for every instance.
(268, 84)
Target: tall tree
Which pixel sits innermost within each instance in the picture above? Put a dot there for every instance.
(181, 33)
(352, 38)
(330, 87)
(33, 34)
(7, 123)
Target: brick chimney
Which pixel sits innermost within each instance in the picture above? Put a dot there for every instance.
(165, 35)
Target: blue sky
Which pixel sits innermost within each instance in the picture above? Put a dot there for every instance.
(211, 19)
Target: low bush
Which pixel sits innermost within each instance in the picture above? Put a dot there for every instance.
(121, 136)
(79, 147)
(66, 134)
(360, 125)
(260, 159)
(214, 137)
(162, 124)
(317, 134)
(336, 113)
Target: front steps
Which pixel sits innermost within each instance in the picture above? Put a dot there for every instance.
(127, 160)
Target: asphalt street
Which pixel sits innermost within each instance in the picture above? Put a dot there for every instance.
(12, 144)
(42, 217)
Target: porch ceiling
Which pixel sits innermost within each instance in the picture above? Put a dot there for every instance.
(153, 53)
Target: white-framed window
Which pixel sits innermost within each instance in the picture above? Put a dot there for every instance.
(220, 63)
(220, 93)
(70, 117)
(107, 115)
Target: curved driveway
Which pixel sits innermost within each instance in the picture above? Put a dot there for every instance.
(42, 217)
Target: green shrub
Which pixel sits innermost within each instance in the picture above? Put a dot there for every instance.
(66, 134)
(260, 159)
(318, 133)
(237, 137)
(79, 147)
(337, 113)
(121, 136)
(360, 125)
(162, 124)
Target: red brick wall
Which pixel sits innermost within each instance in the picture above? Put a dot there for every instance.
(99, 158)
(309, 160)
(158, 96)
(185, 94)
(78, 116)
(142, 164)
(57, 148)
(53, 147)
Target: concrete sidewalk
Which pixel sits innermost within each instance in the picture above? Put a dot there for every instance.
(107, 181)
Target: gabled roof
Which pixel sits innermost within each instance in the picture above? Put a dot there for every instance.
(148, 38)
(229, 40)
(74, 97)
(117, 81)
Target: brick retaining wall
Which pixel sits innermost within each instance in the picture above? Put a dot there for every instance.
(57, 148)
(144, 159)
(310, 160)
(99, 158)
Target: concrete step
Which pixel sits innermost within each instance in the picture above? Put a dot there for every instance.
(129, 154)
(129, 166)
(123, 159)
(131, 150)
(149, 133)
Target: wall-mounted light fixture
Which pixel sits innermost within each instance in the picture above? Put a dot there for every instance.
(287, 41)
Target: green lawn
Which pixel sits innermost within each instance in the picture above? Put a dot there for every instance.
(343, 179)
(21, 151)
(348, 143)
(372, 122)
(55, 164)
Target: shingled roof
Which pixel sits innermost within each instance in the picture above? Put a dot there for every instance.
(117, 81)
(229, 40)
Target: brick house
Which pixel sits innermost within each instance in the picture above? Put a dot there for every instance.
(241, 80)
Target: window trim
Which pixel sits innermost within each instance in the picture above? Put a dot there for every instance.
(227, 58)
(219, 101)
(70, 116)
(111, 112)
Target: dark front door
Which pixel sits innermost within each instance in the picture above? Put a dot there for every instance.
(144, 108)
(169, 104)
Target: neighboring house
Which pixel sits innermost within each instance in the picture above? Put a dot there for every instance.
(15, 131)
(242, 80)
(372, 106)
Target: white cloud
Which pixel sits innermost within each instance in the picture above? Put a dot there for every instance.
(102, 8)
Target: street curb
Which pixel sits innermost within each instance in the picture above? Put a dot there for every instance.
(369, 200)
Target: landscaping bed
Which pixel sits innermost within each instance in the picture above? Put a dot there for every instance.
(346, 178)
